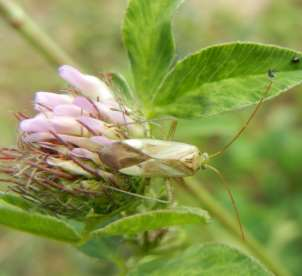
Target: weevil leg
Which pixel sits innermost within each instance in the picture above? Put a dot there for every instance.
(172, 129)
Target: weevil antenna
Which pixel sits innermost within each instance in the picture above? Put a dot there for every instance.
(242, 129)
(226, 186)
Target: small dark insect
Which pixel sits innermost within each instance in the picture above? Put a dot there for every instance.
(295, 59)
(271, 73)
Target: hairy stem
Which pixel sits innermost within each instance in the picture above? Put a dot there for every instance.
(30, 31)
(197, 191)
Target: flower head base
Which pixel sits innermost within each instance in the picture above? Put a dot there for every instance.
(58, 162)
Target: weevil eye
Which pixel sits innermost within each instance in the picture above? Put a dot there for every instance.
(204, 160)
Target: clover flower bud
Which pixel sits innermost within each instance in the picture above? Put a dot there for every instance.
(89, 86)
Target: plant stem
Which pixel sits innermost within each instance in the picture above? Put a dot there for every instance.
(120, 263)
(22, 23)
(208, 202)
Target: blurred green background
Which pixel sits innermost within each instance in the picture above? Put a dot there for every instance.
(263, 167)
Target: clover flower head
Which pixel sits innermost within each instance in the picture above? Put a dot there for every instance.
(57, 163)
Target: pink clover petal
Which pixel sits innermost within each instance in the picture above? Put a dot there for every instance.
(85, 104)
(46, 101)
(90, 86)
(44, 115)
(113, 115)
(69, 110)
(96, 126)
(101, 140)
(82, 142)
(37, 137)
(36, 125)
(68, 125)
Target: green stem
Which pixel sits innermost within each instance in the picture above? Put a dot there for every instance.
(230, 225)
(22, 23)
(123, 269)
